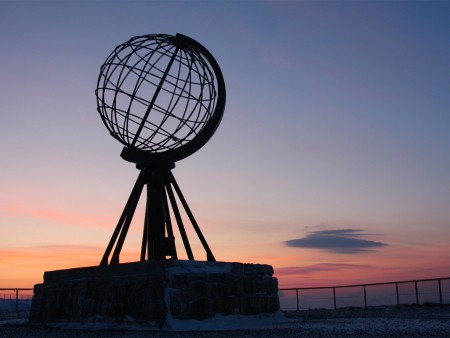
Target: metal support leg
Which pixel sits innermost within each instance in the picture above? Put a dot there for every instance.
(145, 234)
(209, 254)
(181, 228)
(125, 227)
(158, 240)
(170, 241)
(133, 199)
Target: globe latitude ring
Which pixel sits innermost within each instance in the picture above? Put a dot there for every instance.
(161, 96)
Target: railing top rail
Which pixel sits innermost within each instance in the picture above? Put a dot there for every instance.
(360, 285)
(308, 288)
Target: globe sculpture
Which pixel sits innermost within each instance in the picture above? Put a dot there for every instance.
(162, 97)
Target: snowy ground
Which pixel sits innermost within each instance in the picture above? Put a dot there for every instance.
(386, 322)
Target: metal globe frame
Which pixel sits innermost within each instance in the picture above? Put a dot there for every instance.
(197, 115)
(156, 146)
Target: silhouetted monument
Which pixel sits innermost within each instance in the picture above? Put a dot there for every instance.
(162, 97)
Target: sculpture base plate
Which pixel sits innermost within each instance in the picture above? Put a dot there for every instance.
(155, 291)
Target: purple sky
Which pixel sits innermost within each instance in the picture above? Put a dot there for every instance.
(337, 124)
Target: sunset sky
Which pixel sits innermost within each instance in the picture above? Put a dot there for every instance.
(331, 163)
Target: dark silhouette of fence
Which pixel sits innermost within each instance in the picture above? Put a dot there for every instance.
(434, 291)
(13, 298)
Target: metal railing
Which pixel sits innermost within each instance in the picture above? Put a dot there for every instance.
(434, 291)
(15, 299)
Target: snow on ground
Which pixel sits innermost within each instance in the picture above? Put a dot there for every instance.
(232, 322)
(217, 323)
(387, 322)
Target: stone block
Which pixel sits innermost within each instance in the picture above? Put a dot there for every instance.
(153, 290)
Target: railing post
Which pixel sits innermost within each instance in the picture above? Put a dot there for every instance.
(365, 297)
(17, 300)
(396, 292)
(298, 308)
(334, 297)
(440, 292)
(417, 294)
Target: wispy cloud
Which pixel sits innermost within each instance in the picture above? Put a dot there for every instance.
(47, 257)
(52, 252)
(62, 217)
(343, 241)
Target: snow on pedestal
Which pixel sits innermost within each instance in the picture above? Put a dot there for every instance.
(156, 291)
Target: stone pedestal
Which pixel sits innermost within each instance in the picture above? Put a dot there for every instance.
(156, 290)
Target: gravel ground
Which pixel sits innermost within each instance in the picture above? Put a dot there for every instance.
(386, 322)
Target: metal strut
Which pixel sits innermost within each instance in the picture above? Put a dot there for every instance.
(158, 241)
